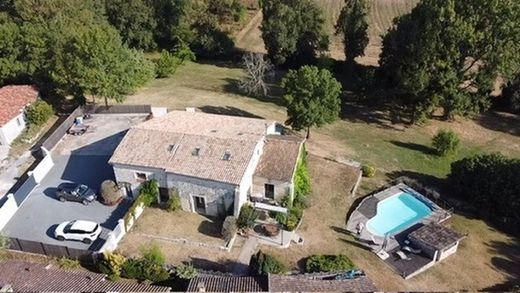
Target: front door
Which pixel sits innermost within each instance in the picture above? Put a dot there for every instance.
(269, 191)
(164, 194)
(200, 204)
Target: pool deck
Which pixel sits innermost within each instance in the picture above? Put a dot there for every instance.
(367, 209)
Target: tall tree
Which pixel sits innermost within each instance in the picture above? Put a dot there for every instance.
(312, 97)
(352, 24)
(293, 31)
(67, 48)
(135, 21)
(449, 53)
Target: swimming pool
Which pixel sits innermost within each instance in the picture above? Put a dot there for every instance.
(397, 213)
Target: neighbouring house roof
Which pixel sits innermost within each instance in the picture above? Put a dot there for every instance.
(34, 277)
(13, 99)
(279, 159)
(436, 236)
(208, 146)
(319, 283)
(214, 283)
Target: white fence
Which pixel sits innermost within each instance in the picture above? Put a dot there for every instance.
(43, 167)
(13, 201)
(120, 230)
(7, 210)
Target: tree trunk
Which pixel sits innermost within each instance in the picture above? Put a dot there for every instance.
(106, 102)
(308, 132)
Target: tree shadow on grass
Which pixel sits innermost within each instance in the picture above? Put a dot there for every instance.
(500, 121)
(211, 228)
(208, 265)
(274, 95)
(507, 262)
(424, 179)
(414, 146)
(228, 110)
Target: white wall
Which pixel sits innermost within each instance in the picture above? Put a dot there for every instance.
(7, 210)
(247, 180)
(444, 254)
(43, 167)
(11, 129)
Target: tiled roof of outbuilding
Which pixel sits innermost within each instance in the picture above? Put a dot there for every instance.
(213, 283)
(13, 99)
(279, 159)
(436, 236)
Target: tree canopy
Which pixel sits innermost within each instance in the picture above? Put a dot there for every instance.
(135, 21)
(448, 54)
(312, 97)
(293, 31)
(66, 47)
(352, 24)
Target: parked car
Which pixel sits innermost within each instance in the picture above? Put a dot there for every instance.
(85, 231)
(76, 192)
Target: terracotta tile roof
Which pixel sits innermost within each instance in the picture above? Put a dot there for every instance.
(33, 277)
(170, 142)
(279, 158)
(319, 283)
(13, 99)
(436, 236)
(212, 283)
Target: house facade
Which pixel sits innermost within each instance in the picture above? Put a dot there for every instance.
(216, 163)
(13, 100)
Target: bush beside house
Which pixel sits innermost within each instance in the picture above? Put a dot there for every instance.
(247, 217)
(110, 193)
(38, 112)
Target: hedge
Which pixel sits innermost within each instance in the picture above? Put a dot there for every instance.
(328, 263)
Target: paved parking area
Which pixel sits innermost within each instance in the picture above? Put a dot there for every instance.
(81, 159)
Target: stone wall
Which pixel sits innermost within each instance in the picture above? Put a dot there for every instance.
(281, 188)
(219, 197)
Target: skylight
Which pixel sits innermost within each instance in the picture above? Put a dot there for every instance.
(195, 152)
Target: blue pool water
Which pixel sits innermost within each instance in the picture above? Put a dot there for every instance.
(397, 213)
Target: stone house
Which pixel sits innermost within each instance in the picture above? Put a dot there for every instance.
(13, 100)
(216, 163)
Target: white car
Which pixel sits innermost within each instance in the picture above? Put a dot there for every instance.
(79, 230)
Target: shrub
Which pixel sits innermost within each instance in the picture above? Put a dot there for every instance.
(39, 112)
(174, 202)
(302, 181)
(328, 263)
(445, 142)
(263, 264)
(153, 254)
(491, 183)
(67, 263)
(149, 267)
(229, 228)
(280, 217)
(149, 192)
(166, 65)
(292, 222)
(247, 217)
(111, 265)
(110, 192)
(368, 171)
(286, 201)
(186, 272)
(133, 269)
(5, 242)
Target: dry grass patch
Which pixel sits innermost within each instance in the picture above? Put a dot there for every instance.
(486, 257)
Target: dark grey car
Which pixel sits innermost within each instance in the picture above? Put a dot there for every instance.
(75, 192)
